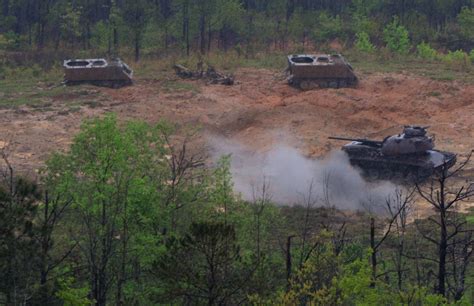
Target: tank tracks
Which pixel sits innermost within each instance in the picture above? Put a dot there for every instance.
(310, 84)
(405, 174)
(110, 84)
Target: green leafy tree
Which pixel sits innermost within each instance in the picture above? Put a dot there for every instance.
(301, 24)
(328, 28)
(363, 43)
(136, 15)
(69, 23)
(115, 174)
(466, 22)
(396, 37)
(203, 267)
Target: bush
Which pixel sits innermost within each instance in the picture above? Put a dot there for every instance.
(425, 51)
(396, 37)
(10, 41)
(455, 57)
(471, 56)
(363, 42)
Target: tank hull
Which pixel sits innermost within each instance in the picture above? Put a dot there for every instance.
(98, 72)
(406, 168)
(311, 71)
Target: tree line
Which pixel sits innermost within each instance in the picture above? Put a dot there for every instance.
(131, 216)
(246, 26)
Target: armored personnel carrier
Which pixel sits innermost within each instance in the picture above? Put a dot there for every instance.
(101, 72)
(407, 157)
(311, 71)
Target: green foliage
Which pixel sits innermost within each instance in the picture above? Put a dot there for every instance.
(327, 28)
(10, 41)
(425, 51)
(466, 22)
(362, 23)
(348, 283)
(101, 35)
(455, 57)
(396, 37)
(18, 208)
(70, 295)
(203, 266)
(363, 43)
(228, 16)
(471, 56)
(69, 22)
(115, 174)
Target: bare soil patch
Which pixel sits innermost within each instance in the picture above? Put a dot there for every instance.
(255, 111)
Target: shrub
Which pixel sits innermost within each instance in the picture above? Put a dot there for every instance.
(425, 51)
(10, 41)
(471, 56)
(396, 37)
(457, 57)
(363, 42)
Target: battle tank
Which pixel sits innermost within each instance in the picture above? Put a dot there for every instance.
(407, 157)
(311, 71)
(101, 72)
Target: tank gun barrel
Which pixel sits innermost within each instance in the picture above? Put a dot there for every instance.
(362, 140)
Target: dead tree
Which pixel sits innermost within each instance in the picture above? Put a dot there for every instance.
(53, 208)
(336, 221)
(309, 202)
(261, 199)
(183, 173)
(447, 226)
(394, 215)
(401, 203)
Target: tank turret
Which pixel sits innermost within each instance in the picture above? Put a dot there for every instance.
(410, 154)
(413, 140)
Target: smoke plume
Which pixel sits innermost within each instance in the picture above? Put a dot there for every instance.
(292, 178)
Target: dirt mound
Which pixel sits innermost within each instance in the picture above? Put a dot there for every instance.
(256, 111)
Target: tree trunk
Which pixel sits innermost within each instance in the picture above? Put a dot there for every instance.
(442, 252)
(209, 38)
(137, 47)
(186, 26)
(374, 251)
(202, 33)
(44, 254)
(288, 261)
(115, 40)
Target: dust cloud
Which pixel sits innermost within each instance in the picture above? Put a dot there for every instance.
(292, 178)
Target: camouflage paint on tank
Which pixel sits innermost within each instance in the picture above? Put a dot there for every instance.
(409, 156)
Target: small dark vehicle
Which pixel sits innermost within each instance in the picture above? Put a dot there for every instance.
(101, 72)
(407, 157)
(311, 71)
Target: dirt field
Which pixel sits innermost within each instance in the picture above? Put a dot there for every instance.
(256, 111)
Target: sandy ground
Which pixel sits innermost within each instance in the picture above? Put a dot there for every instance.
(257, 111)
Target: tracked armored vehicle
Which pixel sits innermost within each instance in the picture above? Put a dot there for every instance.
(311, 71)
(101, 72)
(407, 157)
